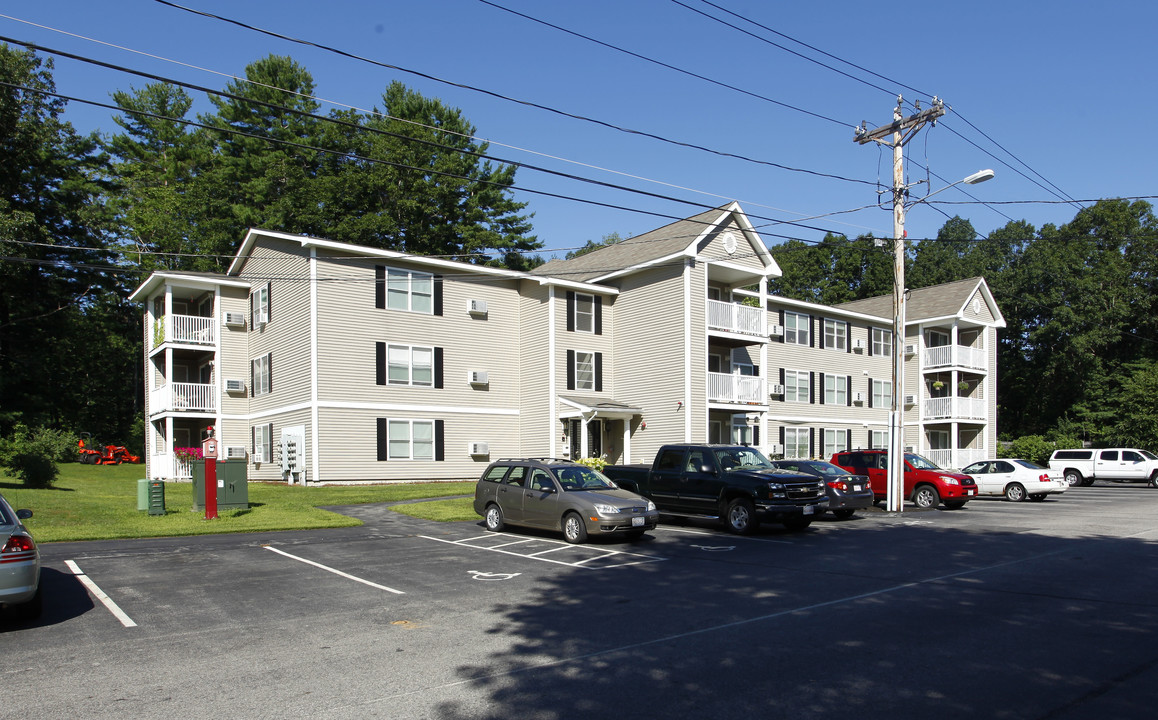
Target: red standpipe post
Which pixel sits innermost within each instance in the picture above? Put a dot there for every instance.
(209, 453)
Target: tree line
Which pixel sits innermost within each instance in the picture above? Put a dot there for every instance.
(85, 218)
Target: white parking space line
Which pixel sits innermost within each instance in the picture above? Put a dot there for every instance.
(100, 594)
(339, 573)
(595, 552)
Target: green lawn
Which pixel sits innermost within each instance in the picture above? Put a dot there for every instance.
(99, 502)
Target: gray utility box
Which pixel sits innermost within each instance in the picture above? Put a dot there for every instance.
(232, 485)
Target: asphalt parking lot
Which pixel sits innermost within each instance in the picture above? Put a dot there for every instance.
(1030, 610)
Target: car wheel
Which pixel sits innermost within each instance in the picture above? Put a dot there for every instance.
(1087, 482)
(574, 531)
(797, 524)
(844, 514)
(494, 518)
(1074, 478)
(1154, 480)
(925, 496)
(740, 517)
(1014, 492)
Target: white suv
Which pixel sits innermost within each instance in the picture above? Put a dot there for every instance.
(1082, 467)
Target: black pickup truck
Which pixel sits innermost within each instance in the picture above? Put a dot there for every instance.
(733, 483)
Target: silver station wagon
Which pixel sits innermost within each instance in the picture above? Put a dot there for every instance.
(560, 495)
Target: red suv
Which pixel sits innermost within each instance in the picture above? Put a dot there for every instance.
(925, 484)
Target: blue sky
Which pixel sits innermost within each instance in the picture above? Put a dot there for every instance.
(1060, 86)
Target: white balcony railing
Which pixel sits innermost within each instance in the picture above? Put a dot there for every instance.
(733, 317)
(194, 397)
(186, 329)
(741, 389)
(955, 459)
(956, 356)
(955, 407)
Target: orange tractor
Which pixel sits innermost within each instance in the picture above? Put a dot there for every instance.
(111, 455)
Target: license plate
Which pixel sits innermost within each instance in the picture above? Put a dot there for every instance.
(808, 510)
(638, 521)
(858, 488)
(968, 492)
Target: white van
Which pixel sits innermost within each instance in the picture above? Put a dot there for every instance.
(1082, 467)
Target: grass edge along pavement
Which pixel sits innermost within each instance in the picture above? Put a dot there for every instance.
(99, 502)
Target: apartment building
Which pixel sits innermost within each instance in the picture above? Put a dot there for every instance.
(327, 362)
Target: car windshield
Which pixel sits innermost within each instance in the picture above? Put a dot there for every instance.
(1148, 455)
(582, 478)
(734, 458)
(920, 463)
(1027, 464)
(823, 468)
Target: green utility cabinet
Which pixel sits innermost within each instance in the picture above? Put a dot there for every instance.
(156, 497)
(232, 485)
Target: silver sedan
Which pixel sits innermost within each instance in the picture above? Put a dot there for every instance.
(19, 565)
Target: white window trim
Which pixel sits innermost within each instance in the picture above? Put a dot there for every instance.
(835, 441)
(392, 423)
(410, 364)
(261, 380)
(835, 335)
(262, 444)
(882, 341)
(837, 394)
(802, 377)
(578, 364)
(589, 316)
(260, 306)
(796, 335)
(394, 279)
(794, 440)
(879, 440)
(882, 393)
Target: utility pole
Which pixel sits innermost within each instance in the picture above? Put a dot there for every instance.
(901, 130)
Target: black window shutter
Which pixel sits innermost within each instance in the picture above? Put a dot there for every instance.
(438, 368)
(848, 439)
(598, 315)
(269, 372)
(383, 440)
(251, 376)
(781, 376)
(870, 342)
(781, 435)
(812, 387)
(811, 333)
(756, 435)
(570, 369)
(570, 311)
(252, 440)
(811, 442)
(252, 322)
(438, 295)
(819, 440)
(380, 363)
(783, 332)
(847, 337)
(269, 448)
(268, 302)
(848, 390)
(821, 389)
(380, 286)
(439, 440)
(598, 372)
(870, 392)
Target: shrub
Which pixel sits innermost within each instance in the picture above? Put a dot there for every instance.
(595, 463)
(31, 454)
(1036, 448)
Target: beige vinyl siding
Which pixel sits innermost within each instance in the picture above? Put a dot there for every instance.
(990, 384)
(349, 442)
(536, 427)
(699, 350)
(984, 316)
(914, 385)
(584, 342)
(233, 359)
(271, 471)
(285, 265)
(711, 247)
(649, 355)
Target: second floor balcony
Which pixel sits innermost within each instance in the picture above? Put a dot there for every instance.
(736, 318)
(738, 389)
(184, 329)
(955, 408)
(955, 459)
(184, 397)
(955, 356)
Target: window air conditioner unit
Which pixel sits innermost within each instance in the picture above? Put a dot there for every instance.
(477, 307)
(858, 397)
(910, 400)
(480, 448)
(776, 390)
(234, 386)
(776, 449)
(910, 349)
(858, 344)
(234, 319)
(910, 448)
(776, 330)
(479, 377)
(235, 452)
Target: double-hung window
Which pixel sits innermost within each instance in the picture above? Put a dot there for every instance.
(796, 327)
(835, 335)
(882, 394)
(584, 370)
(835, 441)
(410, 365)
(882, 342)
(879, 439)
(259, 306)
(836, 389)
(796, 386)
(796, 443)
(263, 443)
(260, 375)
(411, 439)
(409, 290)
(584, 313)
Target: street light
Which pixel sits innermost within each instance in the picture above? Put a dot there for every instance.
(896, 472)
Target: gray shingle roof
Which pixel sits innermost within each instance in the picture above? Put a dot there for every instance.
(927, 302)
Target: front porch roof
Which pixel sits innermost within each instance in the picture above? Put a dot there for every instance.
(590, 408)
